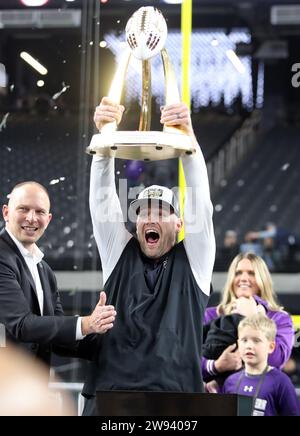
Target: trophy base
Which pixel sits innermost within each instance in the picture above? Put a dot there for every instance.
(147, 146)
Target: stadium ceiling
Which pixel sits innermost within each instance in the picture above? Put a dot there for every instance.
(228, 14)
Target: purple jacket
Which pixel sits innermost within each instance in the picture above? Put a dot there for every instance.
(284, 337)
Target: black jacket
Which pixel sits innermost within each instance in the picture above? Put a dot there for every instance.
(19, 307)
(156, 341)
(219, 334)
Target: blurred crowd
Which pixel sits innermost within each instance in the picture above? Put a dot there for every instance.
(277, 246)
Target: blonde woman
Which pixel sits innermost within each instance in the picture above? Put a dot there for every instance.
(249, 290)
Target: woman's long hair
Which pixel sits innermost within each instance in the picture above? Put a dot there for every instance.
(263, 280)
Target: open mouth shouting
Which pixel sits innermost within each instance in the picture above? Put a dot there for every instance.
(152, 237)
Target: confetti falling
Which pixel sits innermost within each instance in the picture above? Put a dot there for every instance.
(3, 123)
(58, 94)
(56, 181)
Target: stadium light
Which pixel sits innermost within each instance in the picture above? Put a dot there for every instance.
(173, 2)
(209, 65)
(33, 63)
(34, 3)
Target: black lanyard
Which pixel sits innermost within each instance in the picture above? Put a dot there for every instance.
(258, 387)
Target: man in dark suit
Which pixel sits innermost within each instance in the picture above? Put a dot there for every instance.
(30, 307)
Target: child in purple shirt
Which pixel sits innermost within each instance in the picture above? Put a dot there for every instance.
(272, 391)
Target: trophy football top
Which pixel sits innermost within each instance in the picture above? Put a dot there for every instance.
(146, 32)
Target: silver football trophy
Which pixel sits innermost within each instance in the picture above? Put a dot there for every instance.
(146, 34)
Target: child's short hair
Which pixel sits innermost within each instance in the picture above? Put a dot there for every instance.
(259, 322)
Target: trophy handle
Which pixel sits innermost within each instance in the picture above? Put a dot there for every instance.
(116, 88)
(171, 88)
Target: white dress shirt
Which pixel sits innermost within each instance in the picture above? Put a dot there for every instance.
(32, 261)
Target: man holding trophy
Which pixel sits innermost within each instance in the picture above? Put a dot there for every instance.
(159, 287)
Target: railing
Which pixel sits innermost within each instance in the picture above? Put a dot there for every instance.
(226, 159)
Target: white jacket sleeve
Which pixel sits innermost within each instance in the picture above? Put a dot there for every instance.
(199, 233)
(107, 217)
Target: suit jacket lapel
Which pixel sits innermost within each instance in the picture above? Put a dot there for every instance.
(5, 236)
(48, 306)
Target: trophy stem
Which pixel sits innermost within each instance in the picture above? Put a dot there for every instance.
(145, 118)
(172, 93)
(171, 88)
(117, 85)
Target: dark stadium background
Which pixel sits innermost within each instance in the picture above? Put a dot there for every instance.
(252, 151)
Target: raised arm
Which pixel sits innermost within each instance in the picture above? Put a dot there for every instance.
(199, 234)
(107, 217)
